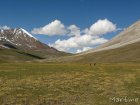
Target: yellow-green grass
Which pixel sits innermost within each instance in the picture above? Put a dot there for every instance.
(68, 84)
(128, 53)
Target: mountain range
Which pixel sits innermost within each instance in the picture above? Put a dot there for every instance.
(18, 41)
(124, 47)
(17, 44)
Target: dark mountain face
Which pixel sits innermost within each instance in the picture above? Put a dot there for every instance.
(20, 39)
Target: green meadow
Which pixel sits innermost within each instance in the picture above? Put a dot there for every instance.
(69, 84)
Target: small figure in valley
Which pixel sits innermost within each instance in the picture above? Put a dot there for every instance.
(90, 64)
(93, 64)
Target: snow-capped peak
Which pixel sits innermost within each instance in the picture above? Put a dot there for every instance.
(27, 33)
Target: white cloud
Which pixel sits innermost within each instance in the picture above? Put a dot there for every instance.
(53, 28)
(74, 30)
(4, 27)
(102, 27)
(79, 40)
(84, 49)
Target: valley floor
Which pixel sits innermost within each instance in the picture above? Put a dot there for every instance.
(69, 84)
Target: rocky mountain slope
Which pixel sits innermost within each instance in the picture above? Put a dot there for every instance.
(20, 39)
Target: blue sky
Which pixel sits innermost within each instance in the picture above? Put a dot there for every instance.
(30, 14)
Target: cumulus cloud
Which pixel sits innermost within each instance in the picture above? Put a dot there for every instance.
(4, 27)
(73, 30)
(79, 40)
(80, 43)
(84, 49)
(102, 27)
(53, 28)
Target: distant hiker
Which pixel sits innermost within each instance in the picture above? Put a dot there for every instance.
(90, 64)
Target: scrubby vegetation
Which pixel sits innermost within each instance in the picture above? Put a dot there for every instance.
(68, 84)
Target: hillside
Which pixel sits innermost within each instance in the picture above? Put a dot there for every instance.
(122, 54)
(13, 41)
(129, 53)
(124, 47)
(127, 36)
(13, 55)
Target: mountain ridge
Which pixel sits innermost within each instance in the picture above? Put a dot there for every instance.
(127, 36)
(124, 47)
(20, 39)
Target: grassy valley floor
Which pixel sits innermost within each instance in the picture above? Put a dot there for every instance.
(69, 84)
